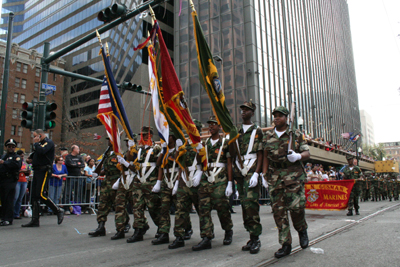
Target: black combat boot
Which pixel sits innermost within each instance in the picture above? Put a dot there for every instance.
(204, 244)
(303, 236)
(137, 236)
(284, 251)
(162, 239)
(59, 211)
(118, 235)
(228, 237)
(158, 233)
(35, 216)
(256, 245)
(188, 234)
(350, 213)
(248, 245)
(178, 243)
(100, 231)
(357, 213)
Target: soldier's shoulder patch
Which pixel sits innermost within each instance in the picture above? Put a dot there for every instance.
(18, 159)
(44, 144)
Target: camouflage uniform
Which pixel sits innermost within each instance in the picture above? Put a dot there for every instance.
(374, 188)
(212, 195)
(185, 197)
(363, 190)
(396, 188)
(384, 188)
(249, 196)
(355, 173)
(389, 185)
(142, 194)
(381, 188)
(107, 194)
(286, 183)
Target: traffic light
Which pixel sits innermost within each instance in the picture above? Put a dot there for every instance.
(27, 115)
(131, 87)
(50, 116)
(109, 14)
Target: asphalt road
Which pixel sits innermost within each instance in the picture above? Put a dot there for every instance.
(360, 241)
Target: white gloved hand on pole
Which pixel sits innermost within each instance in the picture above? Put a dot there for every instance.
(229, 189)
(197, 178)
(131, 143)
(122, 161)
(157, 187)
(293, 157)
(178, 143)
(175, 190)
(264, 181)
(253, 180)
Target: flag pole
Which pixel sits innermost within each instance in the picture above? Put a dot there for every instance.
(192, 5)
(98, 37)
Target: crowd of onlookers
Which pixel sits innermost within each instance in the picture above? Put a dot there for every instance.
(70, 182)
(317, 172)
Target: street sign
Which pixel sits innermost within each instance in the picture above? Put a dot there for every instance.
(48, 92)
(46, 86)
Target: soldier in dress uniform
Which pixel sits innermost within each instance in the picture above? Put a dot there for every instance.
(284, 173)
(247, 168)
(353, 172)
(10, 164)
(215, 187)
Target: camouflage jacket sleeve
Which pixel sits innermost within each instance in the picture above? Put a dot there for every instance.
(301, 143)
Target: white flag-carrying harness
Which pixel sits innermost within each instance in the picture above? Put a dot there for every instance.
(217, 167)
(248, 159)
(174, 172)
(143, 174)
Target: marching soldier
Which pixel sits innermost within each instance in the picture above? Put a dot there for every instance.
(247, 168)
(165, 183)
(215, 187)
(145, 180)
(186, 195)
(353, 172)
(10, 164)
(285, 176)
(374, 187)
(389, 185)
(42, 162)
(107, 193)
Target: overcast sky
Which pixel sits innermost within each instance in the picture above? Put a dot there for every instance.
(375, 26)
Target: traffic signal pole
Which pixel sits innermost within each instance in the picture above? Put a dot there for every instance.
(42, 96)
(4, 94)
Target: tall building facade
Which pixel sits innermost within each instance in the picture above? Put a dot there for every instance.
(392, 150)
(367, 128)
(275, 52)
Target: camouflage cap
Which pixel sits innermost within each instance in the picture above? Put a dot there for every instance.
(281, 109)
(212, 119)
(147, 129)
(172, 133)
(348, 157)
(198, 123)
(248, 104)
(10, 142)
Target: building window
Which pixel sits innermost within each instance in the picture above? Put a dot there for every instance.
(12, 129)
(22, 100)
(20, 114)
(35, 99)
(37, 72)
(23, 84)
(19, 145)
(17, 82)
(25, 68)
(19, 66)
(15, 98)
(19, 130)
(15, 113)
(36, 87)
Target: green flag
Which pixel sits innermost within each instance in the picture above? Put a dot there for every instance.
(210, 80)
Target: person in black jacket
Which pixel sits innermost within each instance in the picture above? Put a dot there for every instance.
(42, 160)
(75, 165)
(10, 164)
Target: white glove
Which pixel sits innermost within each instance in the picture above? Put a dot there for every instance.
(157, 187)
(122, 161)
(131, 143)
(264, 181)
(294, 156)
(175, 188)
(197, 178)
(253, 180)
(94, 175)
(229, 190)
(178, 143)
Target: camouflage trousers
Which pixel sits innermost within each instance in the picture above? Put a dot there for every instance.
(142, 198)
(354, 197)
(185, 197)
(374, 191)
(284, 198)
(122, 198)
(249, 201)
(212, 196)
(107, 200)
(166, 202)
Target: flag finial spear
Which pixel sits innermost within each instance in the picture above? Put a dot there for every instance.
(98, 37)
(107, 48)
(153, 16)
(192, 5)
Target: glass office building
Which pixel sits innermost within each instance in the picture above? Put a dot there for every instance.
(275, 52)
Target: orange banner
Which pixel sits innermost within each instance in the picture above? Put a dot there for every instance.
(328, 195)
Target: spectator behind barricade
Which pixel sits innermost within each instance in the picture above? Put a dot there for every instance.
(314, 174)
(75, 164)
(325, 176)
(89, 169)
(64, 153)
(332, 174)
(84, 157)
(59, 171)
(20, 188)
(88, 158)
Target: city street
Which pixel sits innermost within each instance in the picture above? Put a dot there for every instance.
(368, 239)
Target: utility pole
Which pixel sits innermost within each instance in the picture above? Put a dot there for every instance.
(4, 94)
